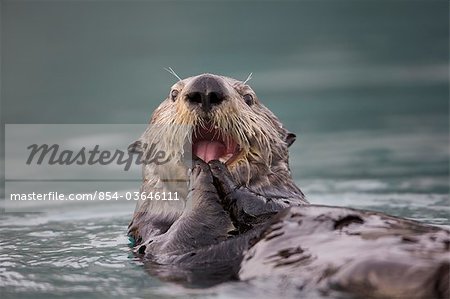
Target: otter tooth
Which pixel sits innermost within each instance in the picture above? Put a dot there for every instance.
(225, 158)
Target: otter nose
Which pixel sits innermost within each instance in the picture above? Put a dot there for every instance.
(206, 91)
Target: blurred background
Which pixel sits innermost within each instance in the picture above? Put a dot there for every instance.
(363, 84)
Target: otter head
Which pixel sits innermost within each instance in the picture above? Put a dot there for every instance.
(219, 118)
(213, 118)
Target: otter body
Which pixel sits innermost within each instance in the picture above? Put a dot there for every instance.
(241, 217)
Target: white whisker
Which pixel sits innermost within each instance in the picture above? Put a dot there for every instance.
(248, 78)
(171, 71)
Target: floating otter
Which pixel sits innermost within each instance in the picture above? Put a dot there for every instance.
(240, 215)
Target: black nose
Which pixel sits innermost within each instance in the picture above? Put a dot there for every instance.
(206, 91)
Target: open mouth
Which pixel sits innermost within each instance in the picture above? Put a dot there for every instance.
(210, 143)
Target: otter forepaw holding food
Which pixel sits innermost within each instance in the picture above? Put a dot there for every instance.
(203, 222)
(246, 207)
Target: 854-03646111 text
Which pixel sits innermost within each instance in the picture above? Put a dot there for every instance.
(97, 195)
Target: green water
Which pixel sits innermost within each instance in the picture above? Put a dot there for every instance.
(363, 84)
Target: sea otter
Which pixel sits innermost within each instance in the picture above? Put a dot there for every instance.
(240, 215)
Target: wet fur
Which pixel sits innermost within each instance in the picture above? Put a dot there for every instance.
(262, 167)
(248, 220)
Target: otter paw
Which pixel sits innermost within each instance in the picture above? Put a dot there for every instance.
(200, 177)
(222, 177)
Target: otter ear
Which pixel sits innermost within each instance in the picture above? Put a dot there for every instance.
(136, 147)
(290, 138)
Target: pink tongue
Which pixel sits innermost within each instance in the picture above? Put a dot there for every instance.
(209, 150)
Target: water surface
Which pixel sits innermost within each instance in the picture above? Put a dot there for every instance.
(363, 84)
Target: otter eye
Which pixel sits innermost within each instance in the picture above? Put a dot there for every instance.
(248, 98)
(174, 94)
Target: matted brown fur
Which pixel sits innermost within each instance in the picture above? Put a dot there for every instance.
(262, 164)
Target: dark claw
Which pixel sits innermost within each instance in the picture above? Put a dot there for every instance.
(223, 179)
